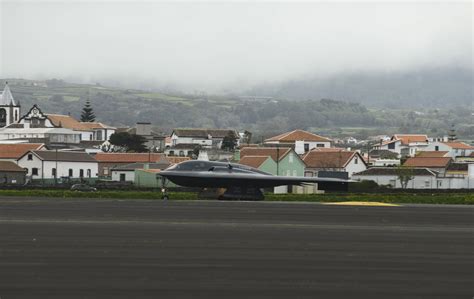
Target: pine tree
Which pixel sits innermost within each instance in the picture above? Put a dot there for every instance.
(87, 114)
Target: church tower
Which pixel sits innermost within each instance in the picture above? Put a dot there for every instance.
(9, 108)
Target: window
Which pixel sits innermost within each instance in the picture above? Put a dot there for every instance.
(290, 158)
(171, 153)
(122, 177)
(89, 173)
(71, 173)
(294, 173)
(391, 145)
(306, 147)
(81, 173)
(26, 169)
(53, 172)
(34, 171)
(30, 157)
(288, 172)
(106, 171)
(356, 161)
(320, 145)
(427, 184)
(437, 148)
(181, 153)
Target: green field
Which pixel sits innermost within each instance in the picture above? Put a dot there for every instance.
(401, 198)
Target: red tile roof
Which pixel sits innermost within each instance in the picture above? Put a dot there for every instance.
(253, 161)
(69, 122)
(459, 145)
(265, 151)
(428, 162)
(175, 160)
(329, 159)
(411, 138)
(15, 151)
(431, 154)
(129, 157)
(9, 166)
(298, 135)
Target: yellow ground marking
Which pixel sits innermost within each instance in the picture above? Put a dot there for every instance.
(362, 203)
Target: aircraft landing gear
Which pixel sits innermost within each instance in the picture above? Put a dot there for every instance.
(164, 192)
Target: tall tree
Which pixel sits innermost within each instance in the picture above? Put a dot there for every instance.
(87, 114)
(129, 142)
(229, 142)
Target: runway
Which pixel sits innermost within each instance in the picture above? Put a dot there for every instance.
(62, 248)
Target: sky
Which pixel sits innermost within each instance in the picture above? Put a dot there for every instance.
(214, 45)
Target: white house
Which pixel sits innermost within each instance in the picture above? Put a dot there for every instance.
(422, 178)
(45, 164)
(206, 138)
(300, 140)
(454, 149)
(331, 160)
(404, 144)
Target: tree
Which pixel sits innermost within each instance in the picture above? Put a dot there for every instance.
(405, 175)
(229, 142)
(87, 114)
(247, 137)
(129, 142)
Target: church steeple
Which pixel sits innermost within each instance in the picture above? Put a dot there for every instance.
(6, 98)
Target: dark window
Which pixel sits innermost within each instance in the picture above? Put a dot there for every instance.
(437, 148)
(319, 145)
(391, 145)
(89, 174)
(306, 147)
(81, 173)
(356, 161)
(30, 157)
(190, 153)
(70, 172)
(122, 177)
(181, 153)
(26, 170)
(171, 153)
(34, 171)
(53, 172)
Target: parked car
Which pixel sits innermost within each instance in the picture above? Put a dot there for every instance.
(83, 188)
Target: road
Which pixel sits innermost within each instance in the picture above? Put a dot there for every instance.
(54, 248)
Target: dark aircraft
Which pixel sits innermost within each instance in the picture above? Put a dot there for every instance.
(239, 181)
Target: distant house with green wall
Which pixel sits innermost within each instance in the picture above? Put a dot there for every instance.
(288, 163)
(263, 163)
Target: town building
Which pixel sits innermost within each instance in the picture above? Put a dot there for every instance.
(404, 145)
(301, 141)
(263, 163)
(438, 164)
(420, 178)
(340, 161)
(9, 108)
(126, 173)
(206, 138)
(107, 161)
(47, 165)
(454, 149)
(288, 162)
(11, 174)
(13, 151)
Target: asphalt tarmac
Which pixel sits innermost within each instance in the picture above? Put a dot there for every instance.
(53, 248)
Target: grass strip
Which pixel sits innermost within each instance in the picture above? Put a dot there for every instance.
(434, 198)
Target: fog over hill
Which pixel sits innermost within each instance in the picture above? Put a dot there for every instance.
(425, 88)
